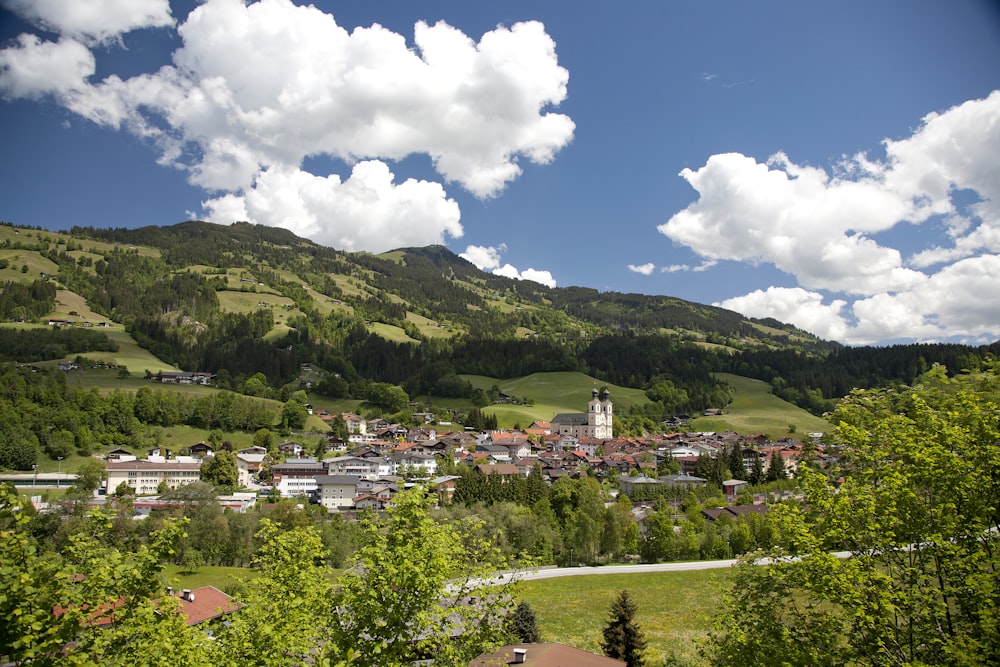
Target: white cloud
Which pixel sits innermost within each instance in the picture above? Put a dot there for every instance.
(484, 258)
(257, 88)
(795, 217)
(33, 68)
(487, 258)
(820, 227)
(367, 212)
(93, 21)
(645, 269)
(794, 305)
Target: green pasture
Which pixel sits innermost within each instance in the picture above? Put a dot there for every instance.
(17, 259)
(430, 328)
(756, 410)
(552, 393)
(675, 609)
(390, 332)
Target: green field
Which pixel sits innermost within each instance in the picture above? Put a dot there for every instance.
(756, 410)
(552, 393)
(675, 609)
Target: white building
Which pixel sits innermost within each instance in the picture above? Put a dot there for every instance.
(145, 476)
(596, 422)
(336, 492)
(365, 468)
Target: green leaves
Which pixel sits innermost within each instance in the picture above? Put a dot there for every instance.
(918, 510)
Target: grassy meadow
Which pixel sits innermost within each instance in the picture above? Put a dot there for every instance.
(756, 410)
(675, 609)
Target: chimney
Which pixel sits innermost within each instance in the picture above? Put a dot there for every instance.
(170, 590)
(186, 594)
(519, 655)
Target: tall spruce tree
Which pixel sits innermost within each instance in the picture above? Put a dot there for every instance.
(623, 638)
(524, 624)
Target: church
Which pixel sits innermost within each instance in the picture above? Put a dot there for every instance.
(596, 422)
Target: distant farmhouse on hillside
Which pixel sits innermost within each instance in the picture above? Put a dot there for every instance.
(596, 422)
(166, 377)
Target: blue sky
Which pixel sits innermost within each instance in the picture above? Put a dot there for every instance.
(834, 165)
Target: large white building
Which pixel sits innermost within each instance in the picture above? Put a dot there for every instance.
(596, 422)
(145, 476)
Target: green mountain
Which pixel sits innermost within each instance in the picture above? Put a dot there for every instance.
(244, 300)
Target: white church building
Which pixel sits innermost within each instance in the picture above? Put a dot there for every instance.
(596, 422)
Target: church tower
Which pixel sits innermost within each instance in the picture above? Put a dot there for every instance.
(600, 415)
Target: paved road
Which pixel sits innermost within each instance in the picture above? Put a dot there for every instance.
(552, 572)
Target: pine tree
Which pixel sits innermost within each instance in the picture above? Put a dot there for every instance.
(777, 470)
(524, 624)
(623, 638)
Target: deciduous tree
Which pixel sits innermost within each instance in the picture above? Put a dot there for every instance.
(419, 589)
(918, 512)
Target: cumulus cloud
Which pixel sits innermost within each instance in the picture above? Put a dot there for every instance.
(368, 211)
(821, 226)
(488, 258)
(645, 269)
(93, 21)
(33, 68)
(794, 305)
(255, 89)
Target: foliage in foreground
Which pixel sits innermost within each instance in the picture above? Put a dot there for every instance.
(919, 511)
(417, 589)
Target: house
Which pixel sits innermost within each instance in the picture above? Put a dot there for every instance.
(544, 655)
(145, 476)
(732, 487)
(683, 480)
(336, 492)
(296, 477)
(248, 465)
(629, 484)
(201, 449)
(289, 448)
(365, 468)
(166, 377)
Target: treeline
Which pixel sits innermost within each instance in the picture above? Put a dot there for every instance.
(43, 344)
(41, 414)
(816, 384)
(26, 302)
(568, 523)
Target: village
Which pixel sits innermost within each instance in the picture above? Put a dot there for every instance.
(379, 458)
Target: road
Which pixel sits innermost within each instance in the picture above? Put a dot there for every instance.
(551, 572)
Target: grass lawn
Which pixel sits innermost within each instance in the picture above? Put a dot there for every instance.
(675, 609)
(756, 410)
(207, 575)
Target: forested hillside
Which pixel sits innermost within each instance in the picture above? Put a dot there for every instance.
(247, 301)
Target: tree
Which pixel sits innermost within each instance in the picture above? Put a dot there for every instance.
(387, 396)
(90, 474)
(623, 639)
(294, 415)
(286, 608)
(420, 588)
(524, 624)
(221, 472)
(917, 510)
(776, 471)
(90, 604)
